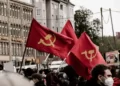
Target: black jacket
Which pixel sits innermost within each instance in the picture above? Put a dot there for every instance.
(93, 82)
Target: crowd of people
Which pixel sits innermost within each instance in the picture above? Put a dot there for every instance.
(101, 76)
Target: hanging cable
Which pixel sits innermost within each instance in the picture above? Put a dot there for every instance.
(69, 17)
(106, 22)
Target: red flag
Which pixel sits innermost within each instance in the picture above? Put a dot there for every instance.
(80, 68)
(69, 31)
(43, 39)
(71, 59)
(87, 52)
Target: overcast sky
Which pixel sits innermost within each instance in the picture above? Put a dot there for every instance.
(95, 5)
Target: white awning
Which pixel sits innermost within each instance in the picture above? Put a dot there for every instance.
(57, 66)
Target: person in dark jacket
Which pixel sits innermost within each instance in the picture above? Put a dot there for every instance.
(37, 79)
(52, 79)
(101, 76)
(63, 79)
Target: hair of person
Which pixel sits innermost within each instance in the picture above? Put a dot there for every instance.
(99, 70)
(37, 76)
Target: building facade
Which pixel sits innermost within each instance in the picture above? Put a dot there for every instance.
(53, 13)
(58, 12)
(15, 20)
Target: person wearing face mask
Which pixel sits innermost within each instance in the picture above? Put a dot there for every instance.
(101, 76)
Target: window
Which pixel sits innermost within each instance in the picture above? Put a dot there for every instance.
(11, 26)
(55, 6)
(0, 48)
(13, 30)
(10, 10)
(13, 10)
(18, 12)
(2, 28)
(57, 29)
(5, 9)
(13, 49)
(1, 9)
(37, 53)
(20, 49)
(6, 29)
(61, 7)
(17, 51)
(29, 52)
(4, 48)
(24, 13)
(38, 11)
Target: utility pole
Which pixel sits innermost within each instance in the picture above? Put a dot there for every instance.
(102, 22)
(112, 28)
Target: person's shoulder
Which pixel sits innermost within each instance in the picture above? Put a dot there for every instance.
(91, 82)
(88, 83)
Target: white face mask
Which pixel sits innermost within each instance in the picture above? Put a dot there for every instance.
(109, 81)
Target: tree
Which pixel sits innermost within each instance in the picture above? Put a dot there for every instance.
(108, 44)
(83, 23)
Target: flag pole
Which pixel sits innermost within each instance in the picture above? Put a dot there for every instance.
(22, 59)
(47, 58)
(63, 62)
(25, 50)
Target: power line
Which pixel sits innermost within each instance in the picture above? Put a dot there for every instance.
(107, 19)
(68, 17)
(115, 11)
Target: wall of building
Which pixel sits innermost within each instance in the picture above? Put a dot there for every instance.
(15, 20)
(57, 12)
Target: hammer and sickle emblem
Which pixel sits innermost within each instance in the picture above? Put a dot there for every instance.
(48, 37)
(91, 52)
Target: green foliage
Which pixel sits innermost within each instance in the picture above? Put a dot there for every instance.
(83, 23)
(108, 44)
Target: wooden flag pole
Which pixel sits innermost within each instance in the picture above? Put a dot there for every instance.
(22, 59)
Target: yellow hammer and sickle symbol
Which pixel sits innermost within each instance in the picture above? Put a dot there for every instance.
(48, 37)
(91, 52)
